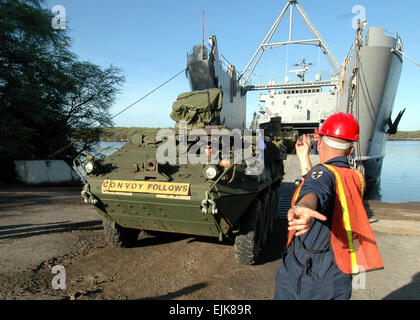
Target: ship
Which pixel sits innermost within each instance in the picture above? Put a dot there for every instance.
(365, 84)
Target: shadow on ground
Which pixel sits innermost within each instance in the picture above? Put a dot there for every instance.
(155, 238)
(179, 293)
(29, 230)
(276, 244)
(272, 252)
(410, 291)
(20, 202)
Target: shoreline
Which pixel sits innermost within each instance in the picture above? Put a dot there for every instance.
(392, 139)
(404, 139)
(121, 134)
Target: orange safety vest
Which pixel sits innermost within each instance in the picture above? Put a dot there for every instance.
(352, 238)
(316, 135)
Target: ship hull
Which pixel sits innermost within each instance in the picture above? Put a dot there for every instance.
(379, 74)
(373, 168)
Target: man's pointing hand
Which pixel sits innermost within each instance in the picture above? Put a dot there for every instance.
(301, 219)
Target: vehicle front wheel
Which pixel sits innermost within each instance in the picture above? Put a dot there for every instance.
(119, 236)
(248, 241)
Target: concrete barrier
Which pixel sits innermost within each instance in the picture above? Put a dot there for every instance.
(46, 172)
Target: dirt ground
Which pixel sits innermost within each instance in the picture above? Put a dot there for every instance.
(51, 226)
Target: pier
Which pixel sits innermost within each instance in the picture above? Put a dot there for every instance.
(45, 226)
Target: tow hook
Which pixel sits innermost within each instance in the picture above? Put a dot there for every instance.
(208, 205)
(87, 195)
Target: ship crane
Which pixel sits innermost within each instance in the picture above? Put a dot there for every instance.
(266, 44)
(365, 86)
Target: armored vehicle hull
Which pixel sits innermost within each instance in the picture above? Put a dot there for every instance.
(132, 191)
(209, 177)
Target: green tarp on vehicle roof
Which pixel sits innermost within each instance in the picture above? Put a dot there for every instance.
(198, 108)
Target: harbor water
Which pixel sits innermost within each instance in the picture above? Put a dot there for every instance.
(400, 180)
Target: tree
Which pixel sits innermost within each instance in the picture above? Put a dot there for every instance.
(48, 98)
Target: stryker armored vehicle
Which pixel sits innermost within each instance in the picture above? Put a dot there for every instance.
(210, 176)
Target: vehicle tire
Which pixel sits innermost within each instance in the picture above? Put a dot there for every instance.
(273, 213)
(265, 221)
(248, 241)
(119, 236)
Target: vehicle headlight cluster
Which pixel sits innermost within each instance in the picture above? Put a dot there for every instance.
(210, 172)
(89, 165)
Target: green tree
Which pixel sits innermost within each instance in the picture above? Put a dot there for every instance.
(46, 93)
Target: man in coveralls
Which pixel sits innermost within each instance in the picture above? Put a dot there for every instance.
(329, 233)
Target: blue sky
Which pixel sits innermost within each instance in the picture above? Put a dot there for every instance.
(149, 41)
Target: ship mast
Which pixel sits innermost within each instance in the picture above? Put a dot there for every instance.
(266, 45)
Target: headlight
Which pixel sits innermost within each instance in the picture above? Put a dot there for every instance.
(89, 167)
(89, 164)
(210, 172)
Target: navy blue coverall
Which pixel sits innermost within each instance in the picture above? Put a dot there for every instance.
(308, 270)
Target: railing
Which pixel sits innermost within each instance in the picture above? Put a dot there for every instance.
(226, 65)
(279, 77)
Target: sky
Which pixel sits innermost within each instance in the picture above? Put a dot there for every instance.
(150, 40)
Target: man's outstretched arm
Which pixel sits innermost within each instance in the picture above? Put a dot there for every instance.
(302, 215)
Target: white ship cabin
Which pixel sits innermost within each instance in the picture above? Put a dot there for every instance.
(303, 105)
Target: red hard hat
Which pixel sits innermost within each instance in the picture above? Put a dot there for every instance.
(341, 125)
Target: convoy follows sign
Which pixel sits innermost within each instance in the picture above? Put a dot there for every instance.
(146, 187)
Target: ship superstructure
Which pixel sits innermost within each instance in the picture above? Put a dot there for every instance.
(364, 85)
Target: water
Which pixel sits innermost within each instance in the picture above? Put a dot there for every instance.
(400, 181)
(106, 148)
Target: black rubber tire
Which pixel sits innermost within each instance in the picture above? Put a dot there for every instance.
(119, 236)
(265, 221)
(272, 217)
(248, 241)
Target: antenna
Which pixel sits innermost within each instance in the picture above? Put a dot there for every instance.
(203, 29)
(202, 47)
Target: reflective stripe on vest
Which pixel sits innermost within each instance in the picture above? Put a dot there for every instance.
(352, 238)
(296, 195)
(346, 217)
(362, 182)
(294, 198)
